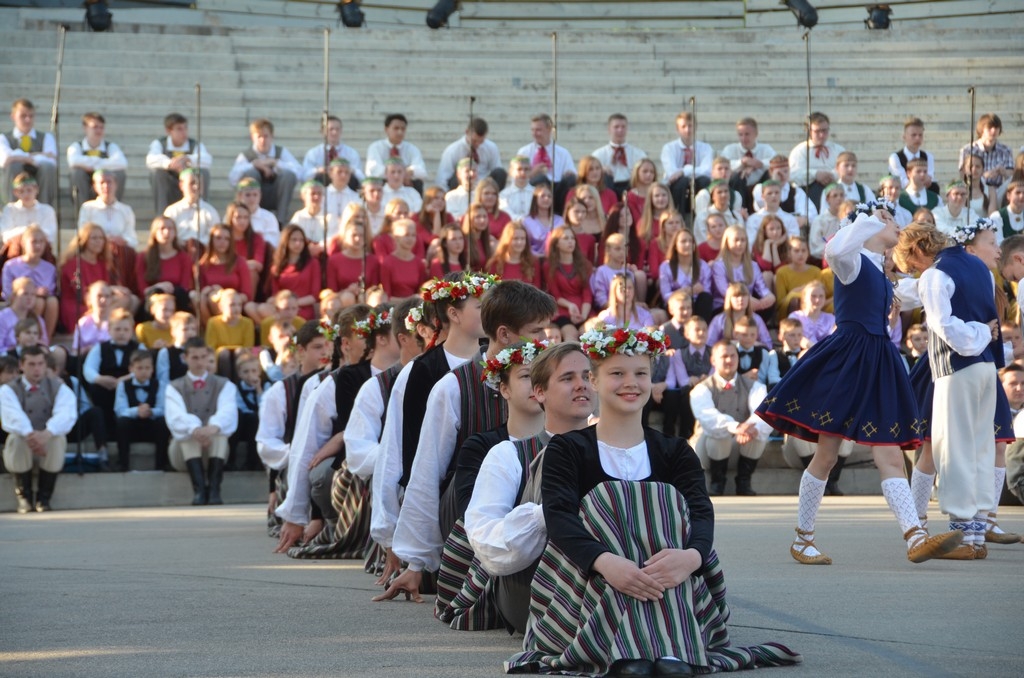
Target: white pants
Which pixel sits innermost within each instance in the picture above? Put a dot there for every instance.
(18, 457)
(181, 451)
(794, 449)
(716, 449)
(964, 448)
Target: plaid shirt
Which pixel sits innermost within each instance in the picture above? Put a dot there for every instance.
(999, 156)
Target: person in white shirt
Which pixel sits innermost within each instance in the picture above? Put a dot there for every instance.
(954, 212)
(770, 193)
(813, 161)
(913, 137)
(116, 218)
(273, 166)
(846, 179)
(26, 149)
(549, 162)
(93, 153)
(684, 159)
(394, 145)
(183, 212)
(475, 145)
(793, 198)
(748, 159)
(340, 191)
(201, 412)
(320, 157)
(617, 156)
(167, 157)
(249, 193)
(38, 413)
(456, 201)
(311, 216)
(724, 405)
(394, 174)
(517, 195)
(506, 530)
(27, 210)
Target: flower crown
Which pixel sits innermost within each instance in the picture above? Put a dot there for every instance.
(471, 285)
(374, 322)
(329, 331)
(868, 209)
(414, 318)
(518, 354)
(598, 343)
(965, 234)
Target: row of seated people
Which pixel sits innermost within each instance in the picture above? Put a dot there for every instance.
(685, 162)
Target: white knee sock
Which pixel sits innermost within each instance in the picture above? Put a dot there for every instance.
(811, 492)
(921, 488)
(1000, 480)
(901, 502)
(977, 531)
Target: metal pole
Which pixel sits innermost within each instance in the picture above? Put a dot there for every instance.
(807, 124)
(62, 32)
(970, 151)
(323, 122)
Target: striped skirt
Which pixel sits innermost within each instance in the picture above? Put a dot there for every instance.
(349, 537)
(580, 625)
(465, 591)
(279, 480)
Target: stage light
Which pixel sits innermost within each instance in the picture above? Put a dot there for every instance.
(350, 13)
(878, 17)
(98, 16)
(438, 16)
(805, 14)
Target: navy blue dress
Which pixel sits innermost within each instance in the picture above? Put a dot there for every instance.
(924, 389)
(852, 383)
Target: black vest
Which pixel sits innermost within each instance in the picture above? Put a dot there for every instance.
(109, 365)
(789, 204)
(15, 144)
(697, 364)
(292, 390)
(750, 360)
(347, 382)
(902, 157)
(249, 397)
(386, 382)
(170, 154)
(131, 392)
(250, 153)
(426, 371)
(786, 362)
(176, 367)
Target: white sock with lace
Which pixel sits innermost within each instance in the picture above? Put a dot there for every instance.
(1000, 479)
(901, 502)
(811, 492)
(921, 487)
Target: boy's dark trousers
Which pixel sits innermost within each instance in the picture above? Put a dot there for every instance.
(248, 422)
(136, 430)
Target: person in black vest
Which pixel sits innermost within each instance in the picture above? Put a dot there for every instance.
(107, 363)
(167, 157)
(38, 412)
(913, 137)
(279, 412)
(273, 166)
(170, 360)
(201, 412)
(724, 404)
(24, 149)
(93, 153)
(139, 406)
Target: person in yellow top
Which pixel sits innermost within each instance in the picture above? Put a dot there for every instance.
(230, 329)
(155, 334)
(791, 278)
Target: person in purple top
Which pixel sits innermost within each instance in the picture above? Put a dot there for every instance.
(42, 273)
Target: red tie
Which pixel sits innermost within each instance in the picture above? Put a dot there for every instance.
(541, 157)
(687, 156)
(198, 384)
(749, 154)
(332, 153)
(821, 152)
(619, 156)
(395, 153)
(727, 387)
(475, 156)
(33, 389)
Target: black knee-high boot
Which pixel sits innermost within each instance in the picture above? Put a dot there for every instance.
(47, 481)
(216, 476)
(745, 468)
(195, 473)
(23, 491)
(717, 468)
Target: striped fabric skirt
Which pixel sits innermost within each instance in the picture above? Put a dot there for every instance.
(279, 479)
(465, 591)
(580, 625)
(349, 537)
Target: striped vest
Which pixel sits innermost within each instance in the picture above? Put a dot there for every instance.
(386, 382)
(481, 409)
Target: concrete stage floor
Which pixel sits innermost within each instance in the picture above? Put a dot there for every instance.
(197, 592)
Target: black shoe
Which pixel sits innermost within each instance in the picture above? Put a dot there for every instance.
(216, 477)
(629, 668)
(195, 473)
(47, 481)
(23, 491)
(717, 469)
(672, 667)
(745, 468)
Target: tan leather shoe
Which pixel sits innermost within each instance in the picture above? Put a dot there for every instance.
(926, 548)
(803, 541)
(962, 552)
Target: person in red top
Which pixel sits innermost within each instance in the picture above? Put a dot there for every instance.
(645, 173)
(709, 249)
(486, 194)
(96, 265)
(402, 272)
(568, 281)
(479, 241)
(451, 253)
(620, 220)
(384, 243)
(249, 245)
(512, 258)
(294, 268)
(345, 267)
(670, 223)
(164, 266)
(591, 173)
(431, 218)
(220, 268)
(575, 213)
